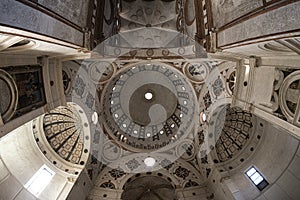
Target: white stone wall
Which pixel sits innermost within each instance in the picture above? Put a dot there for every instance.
(10, 187)
(20, 160)
(277, 159)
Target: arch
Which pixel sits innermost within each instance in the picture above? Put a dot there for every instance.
(148, 188)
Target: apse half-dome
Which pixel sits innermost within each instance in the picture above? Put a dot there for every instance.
(63, 136)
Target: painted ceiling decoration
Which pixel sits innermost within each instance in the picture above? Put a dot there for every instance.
(179, 174)
(230, 140)
(151, 25)
(151, 109)
(151, 99)
(169, 131)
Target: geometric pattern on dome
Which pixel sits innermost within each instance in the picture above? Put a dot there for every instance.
(182, 172)
(218, 86)
(108, 185)
(117, 173)
(207, 100)
(132, 164)
(167, 164)
(191, 183)
(64, 132)
(231, 81)
(236, 132)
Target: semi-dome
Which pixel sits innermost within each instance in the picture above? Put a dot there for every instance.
(63, 136)
(236, 132)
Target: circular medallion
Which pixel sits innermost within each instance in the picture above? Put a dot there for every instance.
(101, 71)
(289, 95)
(231, 81)
(196, 72)
(8, 97)
(148, 107)
(218, 86)
(186, 149)
(66, 80)
(111, 151)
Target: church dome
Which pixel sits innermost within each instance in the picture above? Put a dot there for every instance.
(151, 106)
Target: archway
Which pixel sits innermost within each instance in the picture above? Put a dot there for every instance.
(148, 188)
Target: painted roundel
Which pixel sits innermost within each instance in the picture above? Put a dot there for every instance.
(186, 149)
(101, 71)
(151, 106)
(196, 72)
(111, 151)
